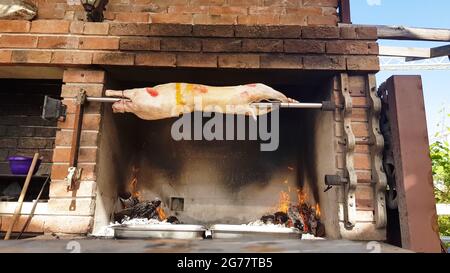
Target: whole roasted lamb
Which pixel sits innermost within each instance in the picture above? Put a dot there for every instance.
(172, 99)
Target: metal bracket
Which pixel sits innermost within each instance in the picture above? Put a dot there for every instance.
(334, 180)
(379, 178)
(74, 173)
(350, 140)
(53, 109)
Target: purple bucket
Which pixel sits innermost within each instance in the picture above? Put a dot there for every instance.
(20, 165)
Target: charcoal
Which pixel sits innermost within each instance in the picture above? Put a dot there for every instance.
(268, 219)
(173, 220)
(144, 209)
(281, 218)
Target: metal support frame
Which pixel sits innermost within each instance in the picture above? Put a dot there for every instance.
(414, 182)
(379, 179)
(74, 173)
(350, 143)
(344, 11)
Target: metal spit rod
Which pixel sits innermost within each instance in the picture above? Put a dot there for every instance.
(259, 104)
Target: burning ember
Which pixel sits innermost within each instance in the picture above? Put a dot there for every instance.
(134, 208)
(298, 215)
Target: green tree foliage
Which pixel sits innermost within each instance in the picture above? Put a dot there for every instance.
(440, 156)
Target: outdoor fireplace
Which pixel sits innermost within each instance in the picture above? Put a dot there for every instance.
(222, 181)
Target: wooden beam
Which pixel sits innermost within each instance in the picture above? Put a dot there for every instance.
(440, 51)
(414, 52)
(408, 33)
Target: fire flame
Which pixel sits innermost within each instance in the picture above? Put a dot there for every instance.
(302, 196)
(285, 202)
(161, 214)
(318, 210)
(133, 183)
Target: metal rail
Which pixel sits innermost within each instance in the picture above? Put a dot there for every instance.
(326, 106)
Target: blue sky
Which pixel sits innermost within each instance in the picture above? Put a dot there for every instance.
(416, 13)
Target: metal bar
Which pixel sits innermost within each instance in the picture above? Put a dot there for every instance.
(344, 11)
(268, 104)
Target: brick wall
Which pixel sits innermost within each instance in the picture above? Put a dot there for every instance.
(247, 12)
(22, 131)
(73, 210)
(65, 42)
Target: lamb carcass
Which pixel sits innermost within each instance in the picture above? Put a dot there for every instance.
(172, 99)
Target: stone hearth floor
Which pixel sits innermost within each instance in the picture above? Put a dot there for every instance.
(94, 245)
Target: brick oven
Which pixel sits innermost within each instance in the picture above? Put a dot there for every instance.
(293, 46)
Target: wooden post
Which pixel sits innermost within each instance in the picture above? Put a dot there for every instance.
(22, 196)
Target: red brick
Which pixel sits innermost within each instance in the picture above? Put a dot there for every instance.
(139, 43)
(129, 29)
(274, 61)
(304, 46)
(76, 27)
(31, 56)
(363, 63)
(90, 122)
(35, 225)
(268, 31)
(83, 76)
(66, 42)
(113, 58)
(62, 154)
(185, 9)
(18, 41)
(196, 60)
(156, 59)
(50, 13)
(269, 19)
(221, 45)
(293, 19)
(215, 19)
(362, 161)
(239, 61)
(162, 18)
(99, 43)
(96, 28)
(50, 26)
(14, 26)
(348, 33)
(5, 56)
(321, 3)
(304, 11)
(366, 33)
(170, 30)
(71, 90)
(64, 138)
(71, 57)
(348, 47)
(216, 10)
(324, 62)
(374, 49)
(262, 45)
(327, 20)
(266, 10)
(133, 17)
(320, 33)
(213, 30)
(360, 129)
(181, 44)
